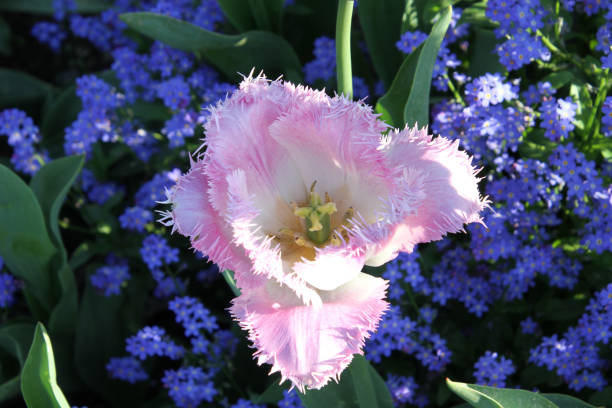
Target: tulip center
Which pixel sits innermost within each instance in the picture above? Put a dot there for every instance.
(316, 216)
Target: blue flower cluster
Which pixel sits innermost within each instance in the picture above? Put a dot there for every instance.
(152, 341)
(576, 356)
(493, 370)
(404, 391)
(519, 21)
(8, 286)
(156, 254)
(189, 386)
(397, 332)
(98, 192)
(22, 135)
(111, 277)
(127, 369)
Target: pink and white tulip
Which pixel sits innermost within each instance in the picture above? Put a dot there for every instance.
(296, 191)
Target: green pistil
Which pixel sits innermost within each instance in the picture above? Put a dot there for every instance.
(317, 218)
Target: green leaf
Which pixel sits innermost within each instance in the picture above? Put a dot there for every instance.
(481, 396)
(101, 326)
(232, 54)
(416, 109)
(16, 339)
(9, 389)
(17, 88)
(271, 395)
(50, 185)
(558, 79)
(46, 6)
(483, 58)
(360, 386)
(25, 245)
(5, 38)
(565, 401)
(57, 115)
(391, 104)
(268, 14)
(381, 21)
(237, 14)
(38, 379)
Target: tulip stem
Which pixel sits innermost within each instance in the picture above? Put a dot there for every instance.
(229, 278)
(343, 48)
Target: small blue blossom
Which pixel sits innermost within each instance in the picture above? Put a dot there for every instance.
(50, 34)
(528, 326)
(493, 370)
(127, 369)
(135, 218)
(112, 276)
(290, 400)
(324, 65)
(189, 386)
(151, 341)
(410, 41)
(156, 252)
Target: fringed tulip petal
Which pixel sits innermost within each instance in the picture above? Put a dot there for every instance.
(310, 345)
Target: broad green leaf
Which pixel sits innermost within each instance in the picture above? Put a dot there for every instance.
(9, 389)
(232, 54)
(481, 396)
(416, 109)
(268, 14)
(237, 14)
(50, 185)
(101, 327)
(271, 395)
(38, 378)
(15, 339)
(46, 6)
(483, 57)
(151, 111)
(392, 103)
(558, 79)
(381, 21)
(360, 386)
(5, 38)
(25, 244)
(475, 15)
(57, 115)
(17, 88)
(566, 401)
(601, 398)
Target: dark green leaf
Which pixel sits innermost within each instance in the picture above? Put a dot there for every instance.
(558, 79)
(565, 401)
(16, 339)
(360, 386)
(381, 21)
(61, 112)
(46, 6)
(416, 109)
(100, 333)
(232, 54)
(602, 397)
(38, 379)
(151, 111)
(268, 14)
(480, 396)
(272, 394)
(392, 103)
(25, 244)
(9, 389)
(5, 38)
(239, 15)
(483, 58)
(17, 88)
(50, 185)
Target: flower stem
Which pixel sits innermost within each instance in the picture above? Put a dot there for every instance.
(344, 72)
(229, 278)
(601, 95)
